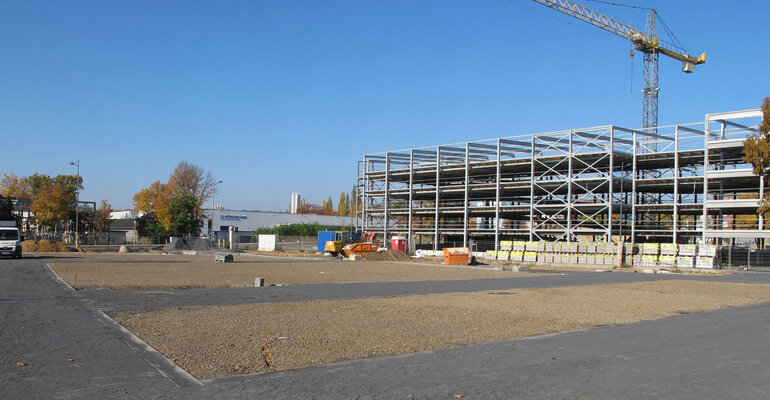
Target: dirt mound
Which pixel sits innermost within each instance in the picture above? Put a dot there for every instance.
(191, 243)
(44, 246)
(386, 255)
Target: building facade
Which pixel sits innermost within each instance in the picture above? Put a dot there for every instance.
(217, 223)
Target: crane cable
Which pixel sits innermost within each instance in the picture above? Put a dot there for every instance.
(668, 31)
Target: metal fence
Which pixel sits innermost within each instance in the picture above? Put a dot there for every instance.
(743, 257)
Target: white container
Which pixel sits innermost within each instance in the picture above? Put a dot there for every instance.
(267, 242)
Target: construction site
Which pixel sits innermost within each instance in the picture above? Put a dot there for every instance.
(680, 184)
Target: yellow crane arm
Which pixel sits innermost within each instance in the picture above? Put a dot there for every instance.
(641, 40)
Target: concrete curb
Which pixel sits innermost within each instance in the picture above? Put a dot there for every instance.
(168, 369)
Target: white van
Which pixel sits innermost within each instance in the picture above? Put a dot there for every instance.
(10, 239)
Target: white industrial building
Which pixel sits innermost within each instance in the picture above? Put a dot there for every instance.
(244, 222)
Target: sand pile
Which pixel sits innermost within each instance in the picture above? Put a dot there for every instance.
(43, 246)
(386, 255)
(191, 243)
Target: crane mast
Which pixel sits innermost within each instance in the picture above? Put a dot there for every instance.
(646, 42)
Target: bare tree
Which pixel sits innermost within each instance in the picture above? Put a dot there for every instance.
(191, 180)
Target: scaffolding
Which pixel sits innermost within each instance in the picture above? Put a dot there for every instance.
(680, 184)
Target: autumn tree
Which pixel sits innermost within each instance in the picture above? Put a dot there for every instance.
(13, 186)
(308, 208)
(191, 180)
(328, 206)
(51, 205)
(155, 200)
(102, 218)
(343, 206)
(163, 203)
(355, 202)
(756, 150)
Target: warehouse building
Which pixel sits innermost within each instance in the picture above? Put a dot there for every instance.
(680, 184)
(218, 222)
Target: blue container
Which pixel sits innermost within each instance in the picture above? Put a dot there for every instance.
(323, 237)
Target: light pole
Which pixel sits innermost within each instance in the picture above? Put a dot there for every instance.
(77, 200)
(213, 193)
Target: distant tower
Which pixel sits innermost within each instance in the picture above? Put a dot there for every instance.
(295, 199)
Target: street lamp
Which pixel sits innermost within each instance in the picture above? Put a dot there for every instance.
(77, 200)
(213, 193)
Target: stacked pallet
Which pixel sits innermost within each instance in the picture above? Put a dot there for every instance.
(649, 255)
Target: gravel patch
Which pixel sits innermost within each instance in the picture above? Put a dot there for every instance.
(212, 342)
(197, 272)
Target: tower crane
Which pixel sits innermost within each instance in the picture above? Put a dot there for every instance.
(646, 42)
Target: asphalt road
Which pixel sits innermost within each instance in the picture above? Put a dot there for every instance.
(70, 350)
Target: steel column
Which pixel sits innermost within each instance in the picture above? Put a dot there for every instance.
(675, 234)
(364, 196)
(385, 218)
(704, 224)
(611, 181)
(633, 189)
(569, 189)
(467, 187)
(438, 173)
(409, 239)
(497, 197)
(532, 192)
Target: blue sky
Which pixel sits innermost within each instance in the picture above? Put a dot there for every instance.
(275, 97)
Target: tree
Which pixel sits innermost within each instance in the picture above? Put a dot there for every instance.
(6, 209)
(354, 202)
(308, 208)
(69, 183)
(191, 180)
(155, 200)
(37, 182)
(328, 205)
(102, 218)
(187, 182)
(343, 206)
(756, 150)
(185, 219)
(148, 226)
(13, 186)
(51, 205)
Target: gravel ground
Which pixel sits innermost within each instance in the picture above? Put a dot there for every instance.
(215, 342)
(177, 272)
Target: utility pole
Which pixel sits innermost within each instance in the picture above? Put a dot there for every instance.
(77, 200)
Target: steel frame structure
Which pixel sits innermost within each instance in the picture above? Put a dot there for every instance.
(679, 183)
